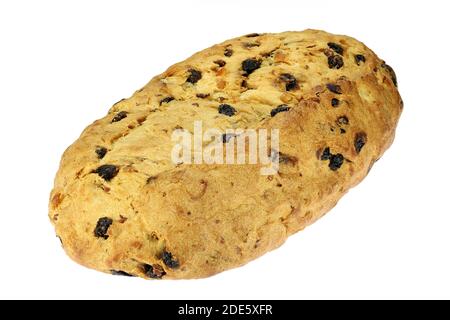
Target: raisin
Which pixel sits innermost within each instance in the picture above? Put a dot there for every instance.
(326, 154)
(220, 63)
(107, 171)
(119, 116)
(270, 53)
(228, 52)
(289, 79)
(334, 88)
(391, 73)
(287, 159)
(169, 260)
(244, 84)
(336, 48)
(280, 108)
(359, 58)
(102, 227)
(194, 76)
(250, 65)
(335, 102)
(154, 272)
(227, 110)
(202, 95)
(101, 152)
(336, 161)
(343, 120)
(343, 131)
(226, 137)
(120, 273)
(252, 35)
(166, 100)
(360, 141)
(335, 62)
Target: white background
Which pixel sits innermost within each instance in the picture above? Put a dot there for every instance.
(64, 63)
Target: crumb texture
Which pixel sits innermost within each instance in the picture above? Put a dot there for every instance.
(119, 204)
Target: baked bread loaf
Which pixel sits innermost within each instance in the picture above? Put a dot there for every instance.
(122, 206)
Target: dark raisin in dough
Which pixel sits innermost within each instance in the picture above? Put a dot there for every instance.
(336, 161)
(154, 272)
(335, 62)
(359, 58)
(194, 76)
(280, 108)
(391, 73)
(107, 171)
(252, 35)
(101, 152)
(226, 137)
(166, 100)
(289, 79)
(227, 110)
(119, 116)
(334, 88)
(202, 95)
(335, 102)
(250, 65)
(228, 52)
(102, 227)
(336, 48)
(326, 154)
(220, 63)
(287, 159)
(360, 141)
(169, 260)
(120, 273)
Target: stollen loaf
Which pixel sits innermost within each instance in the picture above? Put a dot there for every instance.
(122, 205)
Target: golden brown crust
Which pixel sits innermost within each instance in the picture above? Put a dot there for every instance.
(162, 220)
